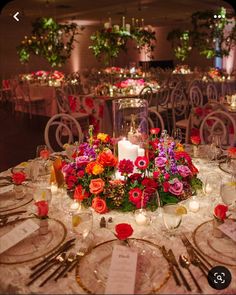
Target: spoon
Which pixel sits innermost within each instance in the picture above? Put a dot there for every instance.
(184, 262)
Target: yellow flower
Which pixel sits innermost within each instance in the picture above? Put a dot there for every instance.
(102, 136)
(179, 147)
(97, 169)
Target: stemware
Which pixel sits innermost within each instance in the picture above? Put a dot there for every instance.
(177, 135)
(82, 223)
(228, 193)
(171, 218)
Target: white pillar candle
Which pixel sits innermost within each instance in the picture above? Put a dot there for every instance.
(194, 206)
(54, 188)
(127, 27)
(141, 219)
(127, 150)
(141, 152)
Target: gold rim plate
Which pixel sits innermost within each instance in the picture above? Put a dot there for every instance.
(92, 269)
(220, 250)
(35, 245)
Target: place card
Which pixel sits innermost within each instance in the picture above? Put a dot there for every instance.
(229, 228)
(122, 272)
(17, 234)
(6, 189)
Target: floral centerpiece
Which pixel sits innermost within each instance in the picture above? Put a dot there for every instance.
(54, 78)
(91, 174)
(215, 74)
(182, 69)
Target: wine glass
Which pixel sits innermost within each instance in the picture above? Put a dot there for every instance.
(171, 218)
(42, 155)
(177, 135)
(228, 194)
(82, 222)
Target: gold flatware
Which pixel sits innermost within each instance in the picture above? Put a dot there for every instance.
(68, 262)
(184, 262)
(165, 254)
(189, 245)
(175, 263)
(71, 264)
(62, 248)
(62, 261)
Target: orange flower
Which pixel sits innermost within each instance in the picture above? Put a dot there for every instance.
(107, 159)
(97, 169)
(80, 194)
(96, 186)
(99, 205)
(232, 152)
(89, 167)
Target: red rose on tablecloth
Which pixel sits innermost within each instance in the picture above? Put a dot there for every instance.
(99, 205)
(232, 152)
(18, 177)
(220, 211)
(96, 186)
(123, 231)
(42, 207)
(44, 154)
(155, 131)
(195, 140)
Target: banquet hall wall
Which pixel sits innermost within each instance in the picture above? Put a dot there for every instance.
(12, 33)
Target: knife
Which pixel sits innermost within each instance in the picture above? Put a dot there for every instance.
(54, 254)
(165, 254)
(175, 263)
(193, 252)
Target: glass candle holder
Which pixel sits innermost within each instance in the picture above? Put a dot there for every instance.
(130, 127)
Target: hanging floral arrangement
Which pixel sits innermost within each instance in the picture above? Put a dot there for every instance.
(208, 35)
(50, 40)
(108, 42)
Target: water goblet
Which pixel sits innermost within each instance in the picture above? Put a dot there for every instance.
(228, 194)
(171, 218)
(82, 223)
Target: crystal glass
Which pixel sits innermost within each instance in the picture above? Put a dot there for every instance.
(82, 223)
(171, 219)
(228, 193)
(130, 127)
(211, 184)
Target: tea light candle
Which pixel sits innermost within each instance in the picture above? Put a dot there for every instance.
(54, 188)
(141, 219)
(74, 206)
(194, 206)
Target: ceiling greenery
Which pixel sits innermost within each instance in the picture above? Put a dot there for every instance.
(208, 35)
(107, 43)
(50, 40)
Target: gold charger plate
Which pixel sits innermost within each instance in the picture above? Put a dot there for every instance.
(9, 202)
(35, 245)
(221, 250)
(152, 268)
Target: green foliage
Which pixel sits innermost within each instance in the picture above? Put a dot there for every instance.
(50, 40)
(108, 43)
(207, 35)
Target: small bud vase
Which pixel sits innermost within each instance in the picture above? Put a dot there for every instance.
(216, 232)
(43, 229)
(195, 151)
(19, 191)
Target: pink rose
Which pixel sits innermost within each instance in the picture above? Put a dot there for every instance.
(176, 187)
(183, 170)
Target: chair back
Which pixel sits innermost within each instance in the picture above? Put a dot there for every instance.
(62, 101)
(212, 93)
(146, 93)
(196, 97)
(219, 123)
(61, 129)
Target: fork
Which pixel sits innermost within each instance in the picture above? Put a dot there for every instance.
(70, 266)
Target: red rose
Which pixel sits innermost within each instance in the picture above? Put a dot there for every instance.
(44, 154)
(18, 177)
(195, 140)
(149, 182)
(220, 211)
(166, 186)
(99, 205)
(42, 207)
(96, 186)
(70, 181)
(123, 231)
(155, 131)
(107, 159)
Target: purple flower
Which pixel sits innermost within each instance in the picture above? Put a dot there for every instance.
(176, 187)
(183, 170)
(160, 161)
(86, 150)
(68, 168)
(81, 161)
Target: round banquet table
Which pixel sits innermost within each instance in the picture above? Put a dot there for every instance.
(14, 277)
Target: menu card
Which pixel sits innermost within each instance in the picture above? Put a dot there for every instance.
(17, 234)
(122, 272)
(229, 228)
